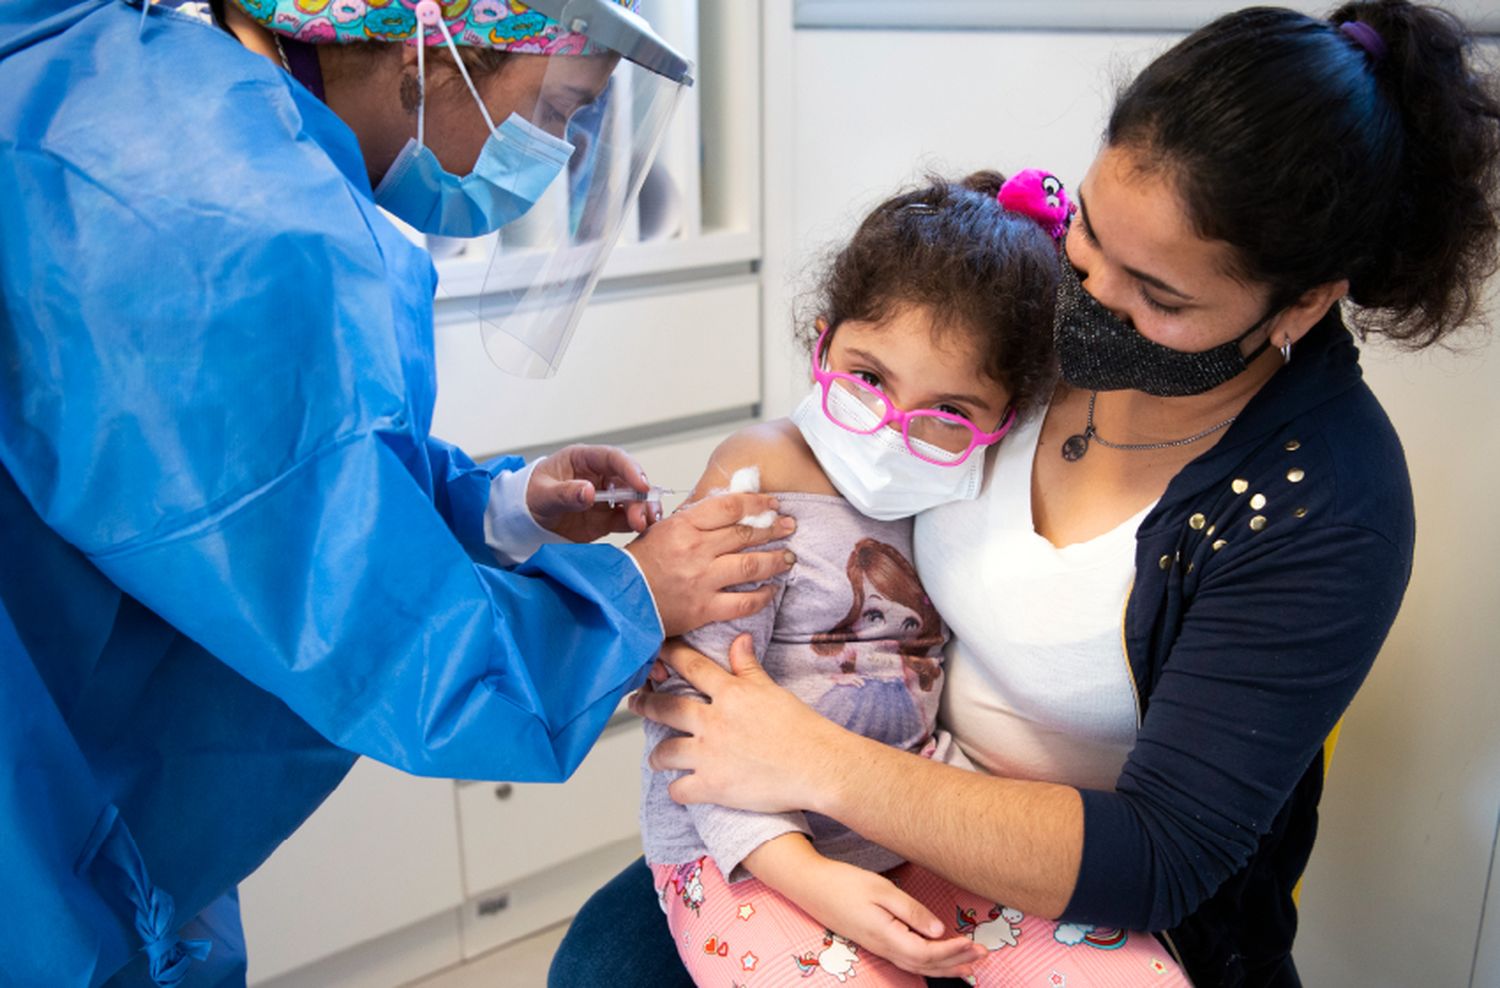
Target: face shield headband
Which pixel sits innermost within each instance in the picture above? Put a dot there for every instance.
(561, 178)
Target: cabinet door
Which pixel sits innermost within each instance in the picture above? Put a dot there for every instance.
(379, 855)
(545, 899)
(510, 831)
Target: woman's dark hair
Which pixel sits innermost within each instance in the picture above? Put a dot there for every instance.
(976, 267)
(1317, 159)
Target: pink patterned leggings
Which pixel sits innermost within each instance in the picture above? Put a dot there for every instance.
(749, 936)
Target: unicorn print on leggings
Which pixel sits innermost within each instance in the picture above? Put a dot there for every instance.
(836, 958)
(1000, 930)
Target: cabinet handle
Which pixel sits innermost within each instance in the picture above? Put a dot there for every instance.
(494, 904)
(504, 790)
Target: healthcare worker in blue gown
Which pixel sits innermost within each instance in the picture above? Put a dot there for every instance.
(231, 557)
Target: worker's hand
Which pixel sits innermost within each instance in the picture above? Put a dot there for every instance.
(690, 558)
(560, 494)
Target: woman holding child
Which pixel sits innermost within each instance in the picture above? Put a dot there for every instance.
(1178, 571)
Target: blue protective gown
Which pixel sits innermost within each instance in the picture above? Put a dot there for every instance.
(231, 557)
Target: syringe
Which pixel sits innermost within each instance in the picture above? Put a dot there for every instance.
(616, 496)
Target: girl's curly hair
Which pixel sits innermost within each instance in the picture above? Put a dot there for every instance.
(977, 268)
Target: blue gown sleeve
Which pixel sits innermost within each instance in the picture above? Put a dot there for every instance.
(220, 391)
(462, 492)
(341, 590)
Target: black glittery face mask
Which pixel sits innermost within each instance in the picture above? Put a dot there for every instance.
(1099, 352)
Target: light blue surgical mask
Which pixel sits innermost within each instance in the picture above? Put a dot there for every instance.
(515, 166)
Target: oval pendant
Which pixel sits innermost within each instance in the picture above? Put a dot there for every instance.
(1074, 447)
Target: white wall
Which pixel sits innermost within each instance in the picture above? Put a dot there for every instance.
(1394, 893)
(1409, 817)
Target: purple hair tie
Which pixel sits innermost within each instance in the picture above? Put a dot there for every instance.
(1367, 38)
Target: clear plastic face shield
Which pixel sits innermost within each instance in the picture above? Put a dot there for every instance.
(612, 104)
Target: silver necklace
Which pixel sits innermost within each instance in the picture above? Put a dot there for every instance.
(1076, 445)
(282, 52)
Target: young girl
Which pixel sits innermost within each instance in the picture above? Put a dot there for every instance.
(934, 337)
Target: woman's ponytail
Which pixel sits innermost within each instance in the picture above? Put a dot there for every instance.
(1439, 242)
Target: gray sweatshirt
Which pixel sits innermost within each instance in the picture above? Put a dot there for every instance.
(850, 632)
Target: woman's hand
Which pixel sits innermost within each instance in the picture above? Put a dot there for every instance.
(560, 494)
(864, 907)
(754, 745)
(691, 558)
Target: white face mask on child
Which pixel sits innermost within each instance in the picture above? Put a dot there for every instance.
(877, 473)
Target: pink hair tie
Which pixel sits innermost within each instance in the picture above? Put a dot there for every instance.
(1367, 38)
(1040, 196)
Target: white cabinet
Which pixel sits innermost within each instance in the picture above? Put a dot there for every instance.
(395, 876)
(534, 853)
(381, 854)
(511, 831)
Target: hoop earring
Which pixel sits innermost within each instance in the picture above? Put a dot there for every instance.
(1286, 350)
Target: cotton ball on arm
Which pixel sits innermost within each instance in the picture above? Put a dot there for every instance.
(746, 480)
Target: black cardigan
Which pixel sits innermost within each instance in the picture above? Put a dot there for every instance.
(1266, 580)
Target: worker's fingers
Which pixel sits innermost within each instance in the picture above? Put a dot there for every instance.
(610, 465)
(639, 515)
(734, 538)
(749, 567)
(549, 498)
(688, 567)
(724, 510)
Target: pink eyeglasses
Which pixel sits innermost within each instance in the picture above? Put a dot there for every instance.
(940, 438)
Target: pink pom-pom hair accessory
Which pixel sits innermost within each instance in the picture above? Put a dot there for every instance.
(1041, 196)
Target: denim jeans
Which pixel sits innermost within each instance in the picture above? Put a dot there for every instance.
(620, 939)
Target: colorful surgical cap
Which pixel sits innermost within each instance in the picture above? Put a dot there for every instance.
(504, 25)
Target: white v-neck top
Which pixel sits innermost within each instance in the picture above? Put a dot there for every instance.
(1037, 685)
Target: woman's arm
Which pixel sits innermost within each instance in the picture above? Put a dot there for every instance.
(783, 754)
(1272, 648)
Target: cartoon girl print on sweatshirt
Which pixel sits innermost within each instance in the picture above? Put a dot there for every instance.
(885, 648)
